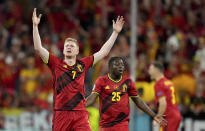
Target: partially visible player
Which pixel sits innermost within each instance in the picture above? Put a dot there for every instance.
(114, 91)
(165, 97)
(68, 78)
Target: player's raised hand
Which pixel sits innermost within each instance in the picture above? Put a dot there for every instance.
(118, 24)
(35, 19)
(160, 120)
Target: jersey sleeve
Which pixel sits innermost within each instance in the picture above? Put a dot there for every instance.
(97, 86)
(159, 91)
(88, 61)
(52, 61)
(132, 90)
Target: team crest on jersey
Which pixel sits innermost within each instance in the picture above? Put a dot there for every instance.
(65, 66)
(107, 87)
(124, 88)
(80, 68)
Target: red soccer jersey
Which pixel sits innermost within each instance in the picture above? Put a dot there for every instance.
(114, 99)
(165, 87)
(68, 83)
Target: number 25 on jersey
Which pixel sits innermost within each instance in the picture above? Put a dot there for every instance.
(116, 96)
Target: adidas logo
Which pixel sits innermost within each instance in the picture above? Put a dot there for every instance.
(107, 87)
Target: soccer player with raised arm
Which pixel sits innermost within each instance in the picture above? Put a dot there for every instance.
(165, 97)
(69, 113)
(114, 91)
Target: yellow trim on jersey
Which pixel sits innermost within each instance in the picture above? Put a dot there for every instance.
(46, 61)
(114, 80)
(96, 92)
(134, 96)
(72, 64)
(161, 128)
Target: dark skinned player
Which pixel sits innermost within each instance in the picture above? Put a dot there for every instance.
(114, 91)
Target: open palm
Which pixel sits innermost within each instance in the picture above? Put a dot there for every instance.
(35, 19)
(118, 24)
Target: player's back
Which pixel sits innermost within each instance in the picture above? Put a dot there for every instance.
(165, 88)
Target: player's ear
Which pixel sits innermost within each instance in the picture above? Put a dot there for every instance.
(77, 50)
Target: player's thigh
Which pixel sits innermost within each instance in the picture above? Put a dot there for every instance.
(62, 121)
(172, 125)
(81, 122)
(116, 128)
(173, 121)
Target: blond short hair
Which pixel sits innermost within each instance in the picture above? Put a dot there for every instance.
(71, 39)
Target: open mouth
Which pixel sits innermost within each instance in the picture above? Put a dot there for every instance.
(68, 51)
(120, 70)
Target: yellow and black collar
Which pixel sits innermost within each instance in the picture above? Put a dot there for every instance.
(114, 80)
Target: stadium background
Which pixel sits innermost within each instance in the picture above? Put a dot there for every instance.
(170, 31)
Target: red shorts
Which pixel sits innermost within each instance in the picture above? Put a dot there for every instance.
(115, 128)
(173, 122)
(71, 121)
(119, 127)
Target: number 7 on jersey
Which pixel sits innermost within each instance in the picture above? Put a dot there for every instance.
(74, 73)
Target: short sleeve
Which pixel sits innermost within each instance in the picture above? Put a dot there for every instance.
(97, 86)
(159, 92)
(52, 61)
(132, 90)
(88, 61)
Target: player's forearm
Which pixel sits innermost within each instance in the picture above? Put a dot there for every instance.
(109, 43)
(106, 47)
(43, 52)
(143, 106)
(91, 99)
(36, 38)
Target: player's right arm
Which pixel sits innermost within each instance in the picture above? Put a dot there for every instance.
(43, 52)
(162, 105)
(91, 99)
(161, 97)
(95, 93)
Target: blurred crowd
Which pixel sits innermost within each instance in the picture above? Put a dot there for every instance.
(169, 31)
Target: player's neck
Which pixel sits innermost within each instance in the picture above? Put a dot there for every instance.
(71, 60)
(115, 77)
(160, 76)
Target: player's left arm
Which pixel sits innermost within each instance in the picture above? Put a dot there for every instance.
(117, 27)
(162, 105)
(144, 107)
(132, 92)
